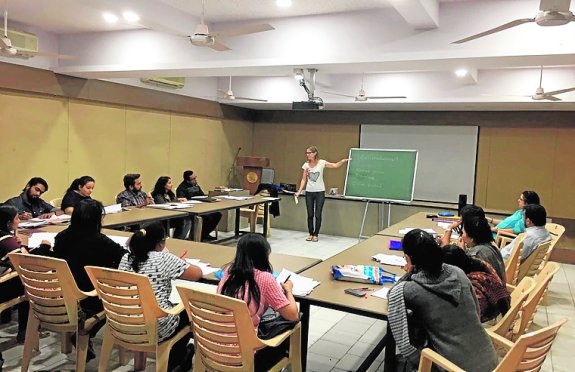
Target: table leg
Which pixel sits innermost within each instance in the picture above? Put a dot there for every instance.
(198, 222)
(266, 216)
(304, 307)
(237, 223)
(390, 360)
(368, 361)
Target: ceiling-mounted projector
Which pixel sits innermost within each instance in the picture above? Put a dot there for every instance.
(307, 105)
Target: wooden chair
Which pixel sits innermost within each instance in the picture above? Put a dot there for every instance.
(536, 295)
(56, 202)
(533, 264)
(556, 231)
(256, 213)
(527, 354)
(54, 298)
(224, 334)
(503, 238)
(505, 327)
(132, 312)
(513, 261)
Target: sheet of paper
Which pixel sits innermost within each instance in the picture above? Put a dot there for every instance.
(122, 240)
(231, 197)
(188, 202)
(114, 208)
(35, 239)
(270, 198)
(408, 229)
(295, 198)
(381, 293)
(389, 259)
(206, 268)
(34, 222)
(302, 285)
(175, 296)
(170, 206)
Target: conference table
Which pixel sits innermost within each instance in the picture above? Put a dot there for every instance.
(214, 254)
(330, 293)
(199, 209)
(418, 220)
(137, 216)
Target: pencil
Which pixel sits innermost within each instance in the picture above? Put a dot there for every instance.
(184, 254)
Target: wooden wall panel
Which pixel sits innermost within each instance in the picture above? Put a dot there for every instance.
(147, 145)
(236, 134)
(98, 146)
(562, 202)
(34, 143)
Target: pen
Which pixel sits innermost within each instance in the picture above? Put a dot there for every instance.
(184, 254)
(287, 278)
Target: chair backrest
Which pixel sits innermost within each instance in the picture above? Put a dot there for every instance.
(530, 350)
(506, 325)
(532, 265)
(555, 230)
(56, 202)
(535, 297)
(223, 330)
(129, 303)
(513, 261)
(50, 288)
(265, 194)
(503, 238)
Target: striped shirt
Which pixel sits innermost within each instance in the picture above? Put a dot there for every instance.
(160, 268)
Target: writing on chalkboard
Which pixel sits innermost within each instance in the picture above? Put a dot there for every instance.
(381, 174)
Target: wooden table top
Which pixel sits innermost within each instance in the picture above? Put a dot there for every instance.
(417, 220)
(135, 216)
(222, 205)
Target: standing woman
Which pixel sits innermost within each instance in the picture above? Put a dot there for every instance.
(312, 180)
(80, 189)
(163, 194)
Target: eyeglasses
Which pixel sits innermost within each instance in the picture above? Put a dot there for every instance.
(309, 152)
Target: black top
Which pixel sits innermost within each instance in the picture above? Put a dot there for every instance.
(36, 207)
(188, 191)
(81, 249)
(71, 199)
(163, 199)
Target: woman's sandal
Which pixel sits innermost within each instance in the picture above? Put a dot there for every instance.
(314, 239)
(309, 238)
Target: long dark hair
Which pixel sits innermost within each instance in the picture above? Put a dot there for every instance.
(160, 188)
(145, 241)
(79, 182)
(478, 229)
(7, 215)
(87, 216)
(252, 253)
(424, 251)
(455, 256)
(530, 197)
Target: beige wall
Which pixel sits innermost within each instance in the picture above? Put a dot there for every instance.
(61, 139)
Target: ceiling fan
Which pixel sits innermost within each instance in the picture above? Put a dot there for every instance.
(229, 95)
(8, 50)
(551, 13)
(361, 97)
(202, 37)
(540, 94)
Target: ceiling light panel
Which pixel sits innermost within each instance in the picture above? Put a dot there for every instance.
(110, 17)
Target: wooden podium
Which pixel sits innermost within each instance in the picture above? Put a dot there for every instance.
(252, 171)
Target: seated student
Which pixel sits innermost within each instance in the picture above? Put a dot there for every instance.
(149, 256)
(133, 196)
(491, 293)
(467, 212)
(249, 277)
(478, 240)
(163, 194)
(535, 233)
(82, 244)
(12, 288)
(190, 188)
(441, 298)
(514, 223)
(29, 203)
(80, 189)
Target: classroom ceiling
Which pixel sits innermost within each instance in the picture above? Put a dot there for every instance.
(397, 47)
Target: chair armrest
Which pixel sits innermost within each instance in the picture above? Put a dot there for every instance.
(11, 275)
(498, 340)
(428, 356)
(92, 293)
(276, 341)
(510, 287)
(506, 234)
(174, 310)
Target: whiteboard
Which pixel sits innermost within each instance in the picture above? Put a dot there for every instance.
(446, 156)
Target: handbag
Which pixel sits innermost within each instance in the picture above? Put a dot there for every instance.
(273, 324)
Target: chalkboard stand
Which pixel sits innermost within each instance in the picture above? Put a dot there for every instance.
(361, 236)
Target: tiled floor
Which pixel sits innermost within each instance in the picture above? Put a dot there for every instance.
(337, 341)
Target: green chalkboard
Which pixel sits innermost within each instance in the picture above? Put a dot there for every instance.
(381, 174)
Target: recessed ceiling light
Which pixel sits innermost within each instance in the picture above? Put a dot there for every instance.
(130, 16)
(283, 3)
(461, 72)
(110, 17)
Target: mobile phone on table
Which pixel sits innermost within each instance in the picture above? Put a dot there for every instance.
(395, 245)
(358, 292)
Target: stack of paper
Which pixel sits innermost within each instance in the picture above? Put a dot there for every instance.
(389, 259)
(302, 286)
(36, 222)
(172, 205)
(231, 197)
(204, 266)
(381, 293)
(114, 208)
(408, 229)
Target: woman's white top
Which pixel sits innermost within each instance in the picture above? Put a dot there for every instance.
(314, 176)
